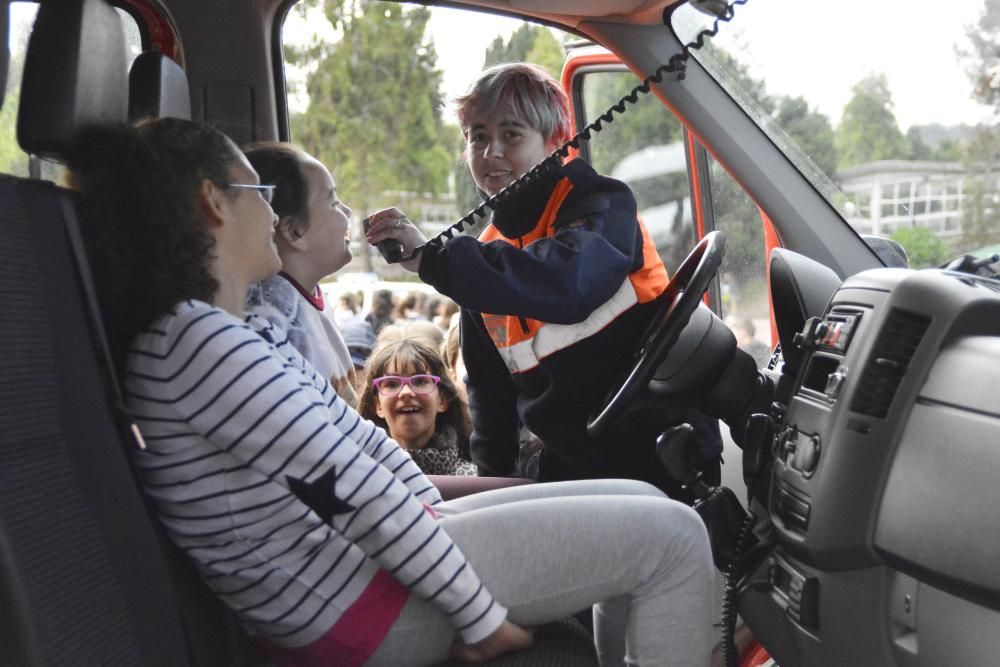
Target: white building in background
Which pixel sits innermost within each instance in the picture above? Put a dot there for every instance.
(887, 195)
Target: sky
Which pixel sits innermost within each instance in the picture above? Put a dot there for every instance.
(925, 77)
(927, 82)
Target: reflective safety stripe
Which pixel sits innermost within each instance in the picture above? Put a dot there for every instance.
(523, 342)
(550, 338)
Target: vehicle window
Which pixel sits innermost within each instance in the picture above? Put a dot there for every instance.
(22, 17)
(888, 109)
(743, 294)
(644, 147)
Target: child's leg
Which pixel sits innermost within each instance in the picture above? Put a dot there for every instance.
(548, 557)
(587, 487)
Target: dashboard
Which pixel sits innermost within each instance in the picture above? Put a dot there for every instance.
(883, 497)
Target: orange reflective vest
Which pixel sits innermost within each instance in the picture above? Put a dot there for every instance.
(522, 342)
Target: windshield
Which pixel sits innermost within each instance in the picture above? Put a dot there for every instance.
(888, 108)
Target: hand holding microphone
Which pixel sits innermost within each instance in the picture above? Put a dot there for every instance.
(395, 236)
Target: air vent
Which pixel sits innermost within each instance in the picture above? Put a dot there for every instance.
(976, 281)
(989, 284)
(898, 340)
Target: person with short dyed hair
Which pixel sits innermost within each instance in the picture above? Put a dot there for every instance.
(556, 292)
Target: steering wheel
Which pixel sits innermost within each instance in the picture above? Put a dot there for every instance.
(679, 301)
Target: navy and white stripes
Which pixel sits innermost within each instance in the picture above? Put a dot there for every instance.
(227, 413)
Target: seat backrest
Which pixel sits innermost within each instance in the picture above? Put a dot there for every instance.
(157, 88)
(82, 576)
(86, 575)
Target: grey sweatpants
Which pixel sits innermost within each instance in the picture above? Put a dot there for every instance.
(547, 551)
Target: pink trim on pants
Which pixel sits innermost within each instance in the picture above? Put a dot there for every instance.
(356, 634)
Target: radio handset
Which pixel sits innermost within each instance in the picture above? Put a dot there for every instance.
(390, 249)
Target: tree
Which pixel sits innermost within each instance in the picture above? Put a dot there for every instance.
(807, 128)
(982, 55)
(981, 211)
(547, 52)
(736, 75)
(374, 103)
(645, 123)
(948, 150)
(923, 248)
(735, 212)
(981, 219)
(13, 160)
(810, 129)
(919, 150)
(868, 130)
(529, 43)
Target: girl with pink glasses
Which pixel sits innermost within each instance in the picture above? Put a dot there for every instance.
(410, 394)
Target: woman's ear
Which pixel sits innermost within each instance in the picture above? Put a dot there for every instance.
(442, 403)
(378, 408)
(211, 202)
(289, 235)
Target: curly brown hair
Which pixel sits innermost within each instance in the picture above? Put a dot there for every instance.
(418, 357)
(147, 240)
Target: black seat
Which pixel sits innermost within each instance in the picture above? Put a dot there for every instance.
(82, 575)
(85, 575)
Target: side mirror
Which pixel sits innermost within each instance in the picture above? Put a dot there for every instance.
(892, 254)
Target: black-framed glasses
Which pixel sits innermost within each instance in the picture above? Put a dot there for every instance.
(266, 191)
(390, 385)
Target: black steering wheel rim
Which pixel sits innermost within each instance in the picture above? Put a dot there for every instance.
(679, 301)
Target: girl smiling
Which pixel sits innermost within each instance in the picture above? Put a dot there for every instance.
(411, 395)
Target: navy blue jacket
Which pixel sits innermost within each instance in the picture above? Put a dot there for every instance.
(560, 279)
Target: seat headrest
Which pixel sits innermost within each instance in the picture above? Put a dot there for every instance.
(157, 88)
(75, 74)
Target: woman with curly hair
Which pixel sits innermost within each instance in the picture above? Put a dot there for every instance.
(307, 520)
(410, 394)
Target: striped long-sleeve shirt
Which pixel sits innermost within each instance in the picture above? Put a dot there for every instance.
(228, 409)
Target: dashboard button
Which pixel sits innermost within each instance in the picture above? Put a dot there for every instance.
(806, 454)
